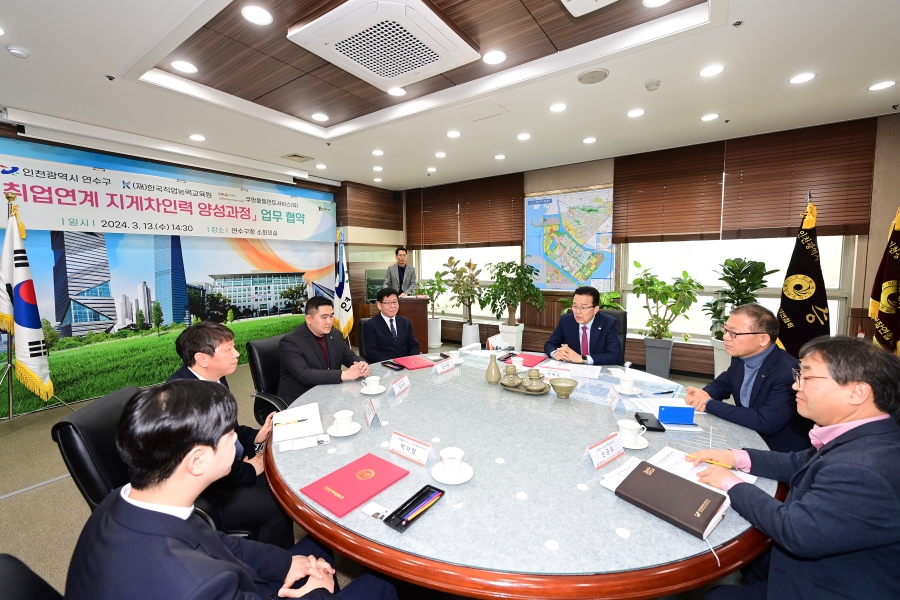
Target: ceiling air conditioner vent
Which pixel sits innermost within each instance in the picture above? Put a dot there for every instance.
(300, 158)
(387, 43)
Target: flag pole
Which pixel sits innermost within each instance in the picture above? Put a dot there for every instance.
(8, 370)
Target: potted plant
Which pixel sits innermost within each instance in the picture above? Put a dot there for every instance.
(433, 288)
(513, 285)
(743, 278)
(607, 302)
(665, 303)
(465, 291)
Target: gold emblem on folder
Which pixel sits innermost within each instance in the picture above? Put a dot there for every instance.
(365, 474)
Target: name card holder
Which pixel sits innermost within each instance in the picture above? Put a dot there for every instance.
(401, 385)
(442, 367)
(410, 448)
(370, 412)
(606, 450)
(613, 398)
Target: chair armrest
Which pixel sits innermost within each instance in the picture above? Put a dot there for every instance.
(265, 403)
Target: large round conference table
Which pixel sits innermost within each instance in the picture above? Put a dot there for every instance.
(534, 521)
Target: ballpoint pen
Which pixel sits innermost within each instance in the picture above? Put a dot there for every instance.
(712, 462)
(666, 392)
(291, 422)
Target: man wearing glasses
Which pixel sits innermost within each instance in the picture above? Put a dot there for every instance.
(390, 335)
(837, 533)
(760, 381)
(586, 335)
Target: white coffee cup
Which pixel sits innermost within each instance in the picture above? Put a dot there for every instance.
(371, 383)
(518, 361)
(626, 384)
(630, 431)
(454, 354)
(343, 420)
(451, 458)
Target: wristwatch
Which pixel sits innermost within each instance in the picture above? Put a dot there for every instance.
(584, 358)
(259, 447)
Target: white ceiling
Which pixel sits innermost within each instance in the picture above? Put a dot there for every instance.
(850, 45)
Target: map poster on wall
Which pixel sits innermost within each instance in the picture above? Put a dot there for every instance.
(568, 237)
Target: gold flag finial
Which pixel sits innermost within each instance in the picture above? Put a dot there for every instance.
(809, 215)
(10, 197)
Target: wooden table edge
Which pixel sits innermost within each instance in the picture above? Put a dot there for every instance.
(651, 582)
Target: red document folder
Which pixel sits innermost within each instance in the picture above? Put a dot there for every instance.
(351, 485)
(529, 360)
(413, 362)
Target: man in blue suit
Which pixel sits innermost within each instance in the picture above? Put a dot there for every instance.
(143, 543)
(837, 533)
(760, 380)
(586, 335)
(389, 335)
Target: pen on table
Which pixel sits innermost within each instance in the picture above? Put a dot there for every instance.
(666, 392)
(424, 502)
(422, 508)
(712, 462)
(291, 422)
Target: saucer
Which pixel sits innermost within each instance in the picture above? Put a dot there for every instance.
(633, 392)
(354, 428)
(379, 390)
(465, 473)
(642, 443)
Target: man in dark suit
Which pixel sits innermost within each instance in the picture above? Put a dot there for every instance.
(837, 533)
(312, 354)
(760, 380)
(401, 276)
(586, 335)
(389, 335)
(243, 496)
(143, 542)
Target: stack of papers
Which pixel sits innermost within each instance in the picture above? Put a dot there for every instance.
(299, 427)
(671, 460)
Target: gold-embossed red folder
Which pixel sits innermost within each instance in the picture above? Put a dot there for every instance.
(687, 505)
(343, 490)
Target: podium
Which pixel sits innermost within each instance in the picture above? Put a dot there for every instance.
(414, 309)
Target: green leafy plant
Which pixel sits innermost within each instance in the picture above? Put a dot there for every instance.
(665, 301)
(139, 322)
(743, 278)
(607, 302)
(433, 288)
(156, 314)
(464, 285)
(296, 294)
(513, 285)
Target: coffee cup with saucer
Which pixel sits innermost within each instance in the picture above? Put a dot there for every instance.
(631, 433)
(344, 424)
(372, 385)
(452, 470)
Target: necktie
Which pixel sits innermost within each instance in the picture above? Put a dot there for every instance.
(393, 331)
(585, 349)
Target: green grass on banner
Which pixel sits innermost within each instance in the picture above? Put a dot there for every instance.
(98, 369)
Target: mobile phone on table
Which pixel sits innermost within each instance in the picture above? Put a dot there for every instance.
(506, 356)
(444, 355)
(649, 421)
(392, 365)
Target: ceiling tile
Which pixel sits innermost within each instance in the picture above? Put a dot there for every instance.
(307, 95)
(359, 88)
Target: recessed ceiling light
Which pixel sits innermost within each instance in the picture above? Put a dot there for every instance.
(18, 51)
(397, 91)
(1, 32)
(320, 117)
(494, 57)
(184, 67)
(709, 117)
(320, 166)
(654, 3)
(559, 107)
(711, 70)
(636, 112)
(524, 136)
(377, 169)
(198, 138)
(453, 134)
(589, 140)
(802, 77)
(256, 15)
(440, 154)
(377, 180)
(881, 86)
(431, 169)
(377, 152)
(500, 156)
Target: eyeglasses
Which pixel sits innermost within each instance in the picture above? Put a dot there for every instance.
(798, 378)
(581, 308)
(394, 303)
(729, 333)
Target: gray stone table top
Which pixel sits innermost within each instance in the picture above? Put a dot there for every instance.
(535, 503)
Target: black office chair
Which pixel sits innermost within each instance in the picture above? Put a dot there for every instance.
(360, 332)
(18, 582)
(87, 443)
(621, 318)
(265, 368)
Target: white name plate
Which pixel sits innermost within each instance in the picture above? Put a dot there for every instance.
(401, 385)
(606, 450)
(613, 398)
(443, 366)
(370, 412)
(410, 448)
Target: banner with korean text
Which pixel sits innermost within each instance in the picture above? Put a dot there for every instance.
(67, 197)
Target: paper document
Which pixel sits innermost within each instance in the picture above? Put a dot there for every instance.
(673, 461)
(589, 371)
(612, 479)
(299, 422)
(310, 441)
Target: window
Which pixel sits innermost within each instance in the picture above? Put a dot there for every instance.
(701, 259)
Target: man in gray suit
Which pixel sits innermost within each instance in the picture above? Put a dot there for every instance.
(401, 277)
(313, 353)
